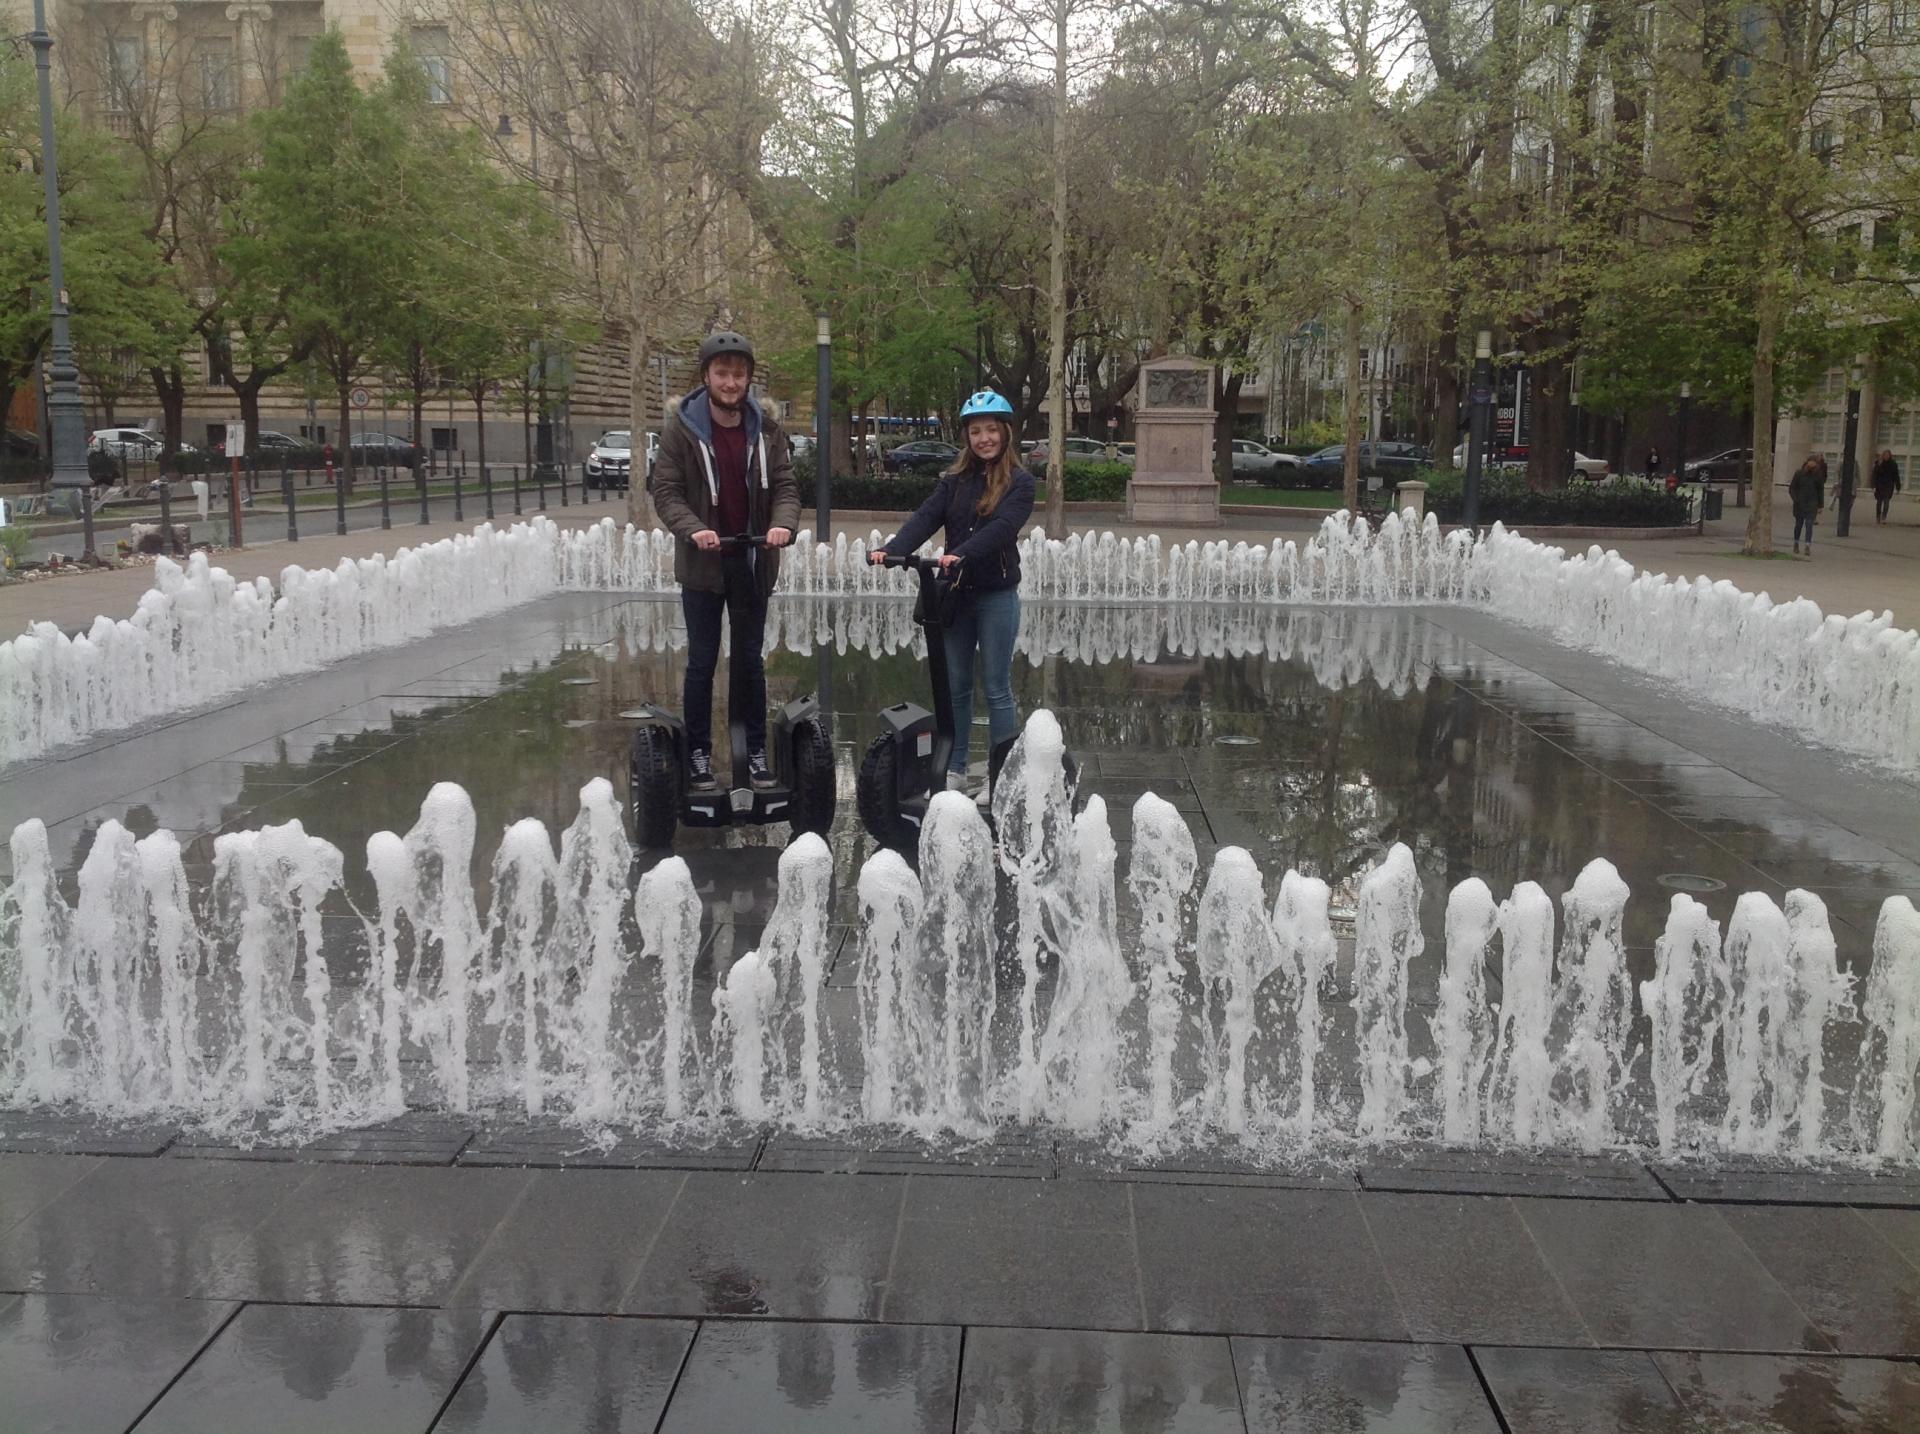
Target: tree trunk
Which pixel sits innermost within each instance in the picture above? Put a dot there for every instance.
(1446, 392)
(480, 438)
(1226, 408)
(1057, 291)
(1350, 482)
(639, 371)
(249, 395)
(1760, 517)
(170, 385)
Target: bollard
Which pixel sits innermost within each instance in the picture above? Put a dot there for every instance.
(286, 496)
(486, 486)
(516, 490)
(386, 499)
(540, 476)
(166, 514)
(563, 487)
(459, 510)
(420, 482)
(340, 502)
(236, 533)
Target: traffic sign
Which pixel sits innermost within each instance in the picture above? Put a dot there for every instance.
(361, 398)
(236, 440)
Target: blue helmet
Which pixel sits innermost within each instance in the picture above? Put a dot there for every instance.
(985, 402)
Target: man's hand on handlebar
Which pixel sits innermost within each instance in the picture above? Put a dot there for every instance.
(779, 537)
(707, 541)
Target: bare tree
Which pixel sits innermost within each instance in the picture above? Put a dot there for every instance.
(624, 113)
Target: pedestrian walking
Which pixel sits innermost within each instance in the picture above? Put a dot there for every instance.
(1808, 490)
(1653, 464)
(1886, 482)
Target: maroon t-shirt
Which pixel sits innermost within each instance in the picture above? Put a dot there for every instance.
(733, 512)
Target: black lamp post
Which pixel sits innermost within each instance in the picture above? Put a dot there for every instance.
(823, 432)
(1482, 404)
(66, 418)
(1843, 525)
(1686, 409)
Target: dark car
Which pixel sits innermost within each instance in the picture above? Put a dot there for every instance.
(923, 455)
(1730, 466)
(1387, 461)
(383, 450)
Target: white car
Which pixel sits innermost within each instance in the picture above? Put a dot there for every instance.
(1259, 463)
(610, 461)
(132, 445)
(1591, 468)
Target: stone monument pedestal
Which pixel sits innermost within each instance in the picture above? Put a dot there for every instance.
(1173, 483)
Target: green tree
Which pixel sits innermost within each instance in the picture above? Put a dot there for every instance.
(122, 308)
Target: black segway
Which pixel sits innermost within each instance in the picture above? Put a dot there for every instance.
(907, 763)
(798, 750)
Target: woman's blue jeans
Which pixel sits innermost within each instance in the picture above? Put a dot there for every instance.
(988, 623)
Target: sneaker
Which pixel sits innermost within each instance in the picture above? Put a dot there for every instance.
(700, 771)
(758, 772)
(956, 781)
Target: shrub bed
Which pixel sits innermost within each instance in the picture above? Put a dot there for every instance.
(1506, 498)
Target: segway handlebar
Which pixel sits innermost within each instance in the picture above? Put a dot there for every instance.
(745, 540)
(912, 561)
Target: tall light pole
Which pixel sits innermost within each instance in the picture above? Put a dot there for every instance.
(1686, 411)
(1843, 525)
(823, 432)
(1482, 404)
(66, 418)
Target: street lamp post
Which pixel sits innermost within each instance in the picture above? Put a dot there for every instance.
(1482, 401)
(823, 432)
(1843, 525)
(1686, 411)
(66, 418)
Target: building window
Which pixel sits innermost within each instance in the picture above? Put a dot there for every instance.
(430, 43)
(1901, 17)
(216, 77)
(126, 71)
(1886, 234)
(299, 54)
(1824, 142)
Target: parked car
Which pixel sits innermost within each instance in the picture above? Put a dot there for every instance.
(1387, 461)
(267, 441)
(1077, 450)
(923, 455)
(610, 461)
(382, 450)
(800, 444)
(1728, 466)
(133, 445)
(1257, 463)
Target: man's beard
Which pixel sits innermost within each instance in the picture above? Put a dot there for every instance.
(722, 404)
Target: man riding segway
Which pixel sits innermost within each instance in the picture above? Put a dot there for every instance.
(724, 470)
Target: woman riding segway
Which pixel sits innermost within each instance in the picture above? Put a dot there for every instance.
(983, 501)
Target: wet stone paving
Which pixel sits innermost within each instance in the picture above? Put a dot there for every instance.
(441, 1273)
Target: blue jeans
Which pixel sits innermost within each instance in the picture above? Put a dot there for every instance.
(1803, 525)
(988, 622)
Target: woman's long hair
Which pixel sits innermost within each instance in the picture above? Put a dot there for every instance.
(999, 472)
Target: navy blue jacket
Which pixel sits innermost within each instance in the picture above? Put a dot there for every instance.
(989, 547)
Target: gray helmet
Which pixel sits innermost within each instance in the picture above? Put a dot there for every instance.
(725, 341)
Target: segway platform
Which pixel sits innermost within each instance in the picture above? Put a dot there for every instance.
(802, 794)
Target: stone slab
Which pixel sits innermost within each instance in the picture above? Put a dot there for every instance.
(1742, 1184)
(817, 1379)
(72, 1363)
(53, 1133)
(409, 1140)
(1470, 1172)
(561, 1147)
(568, 1372)
(1307, 1386)
(1014, 1150)
(1016, 1380)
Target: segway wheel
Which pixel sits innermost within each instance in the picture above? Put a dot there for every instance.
(877, 791)
(813, 780)
(655, 797)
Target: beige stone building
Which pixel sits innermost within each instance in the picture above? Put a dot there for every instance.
(138, 68)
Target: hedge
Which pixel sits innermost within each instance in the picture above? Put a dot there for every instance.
(1086, 483)
(1506, 498)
